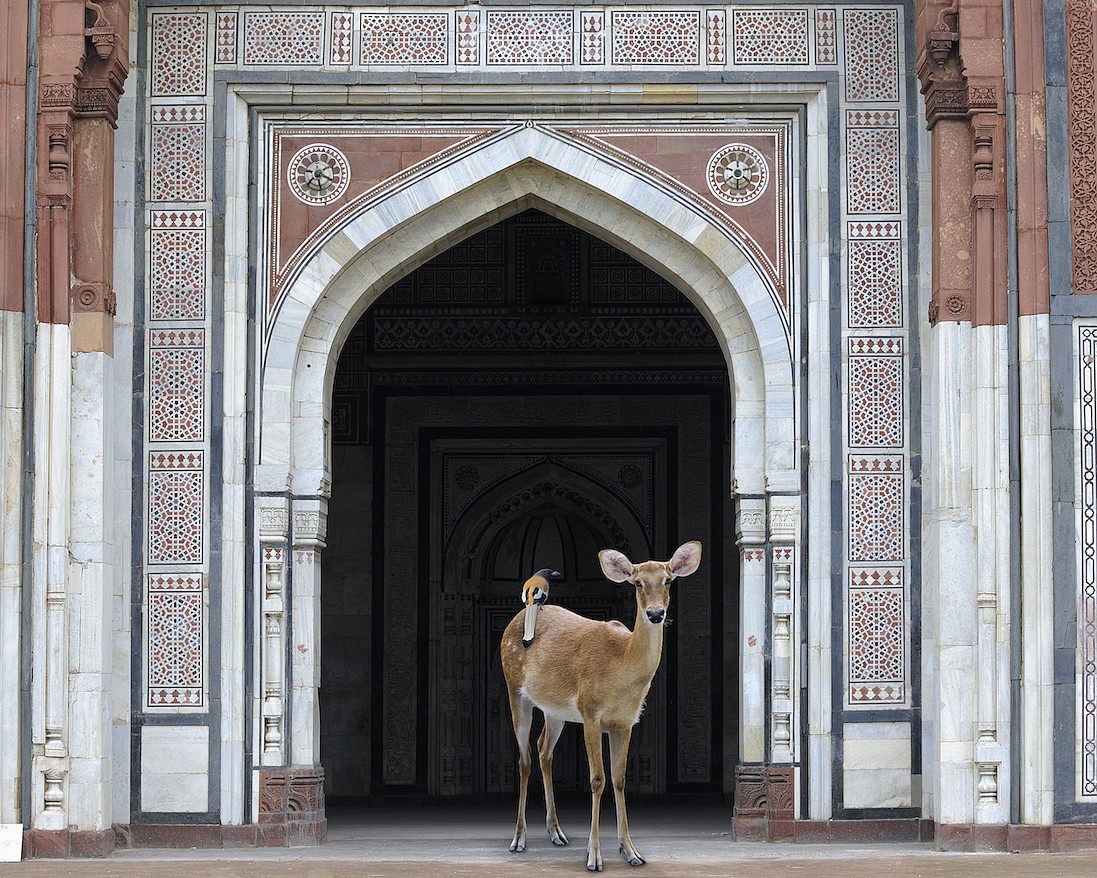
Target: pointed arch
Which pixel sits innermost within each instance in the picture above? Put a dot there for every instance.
(529, 167)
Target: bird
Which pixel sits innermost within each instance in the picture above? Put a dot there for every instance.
(534, 593)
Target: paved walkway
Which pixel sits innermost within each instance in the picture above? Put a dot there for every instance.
(435, 843)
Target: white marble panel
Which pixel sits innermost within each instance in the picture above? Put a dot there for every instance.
(175, 768)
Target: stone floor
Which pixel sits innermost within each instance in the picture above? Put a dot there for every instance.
(436, 843)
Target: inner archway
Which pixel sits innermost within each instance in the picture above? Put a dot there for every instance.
(531, 390)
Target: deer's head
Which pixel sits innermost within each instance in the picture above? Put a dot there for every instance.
(652, 578)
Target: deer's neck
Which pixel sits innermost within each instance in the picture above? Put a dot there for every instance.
(646, 644)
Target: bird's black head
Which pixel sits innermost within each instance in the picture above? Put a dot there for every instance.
(549, 575)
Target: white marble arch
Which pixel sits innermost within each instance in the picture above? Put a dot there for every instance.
(527, 166)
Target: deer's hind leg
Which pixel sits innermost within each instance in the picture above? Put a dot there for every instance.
(550, 734)
(521, 714)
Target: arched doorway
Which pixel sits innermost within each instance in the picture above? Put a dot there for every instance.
(527, 397)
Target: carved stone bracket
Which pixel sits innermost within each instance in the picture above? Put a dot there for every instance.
(750, 521)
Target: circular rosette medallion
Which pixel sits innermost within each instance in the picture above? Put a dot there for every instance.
(737, 174)
(318, 174)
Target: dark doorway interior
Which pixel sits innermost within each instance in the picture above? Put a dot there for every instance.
(526, 398)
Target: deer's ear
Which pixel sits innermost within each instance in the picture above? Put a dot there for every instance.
(686, 559)
(616, 566)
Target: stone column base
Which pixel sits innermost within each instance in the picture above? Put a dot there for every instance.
(291, 806)
(764, 809)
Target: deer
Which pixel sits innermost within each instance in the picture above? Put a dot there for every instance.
(590, 672)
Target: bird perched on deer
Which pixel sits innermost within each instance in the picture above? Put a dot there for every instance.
(535, 593)
(596, 673)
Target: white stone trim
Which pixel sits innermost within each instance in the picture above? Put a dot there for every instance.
(11, 554)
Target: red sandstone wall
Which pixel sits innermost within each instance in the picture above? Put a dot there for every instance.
(13, 91)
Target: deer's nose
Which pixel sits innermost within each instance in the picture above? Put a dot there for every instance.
(655, 614)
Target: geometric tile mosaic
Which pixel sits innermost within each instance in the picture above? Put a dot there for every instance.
(177, 276)
(225, 40)
(176, 400)
(770, 36)
(175, 507)
(716, 31)
(175, 637)
(405, 38)
(178, 166)
(178, 54)
(468, 36)
(530, 37)
(872, 170)
(874, 288)
(876, 508)
(656, 37)
(826, 38)
(283, 37)
(342, 36)
(592, 30)
(876, 398)
(876, 636)
(871, 54)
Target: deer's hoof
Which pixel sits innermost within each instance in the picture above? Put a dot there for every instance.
(517, 846)
(559, 841)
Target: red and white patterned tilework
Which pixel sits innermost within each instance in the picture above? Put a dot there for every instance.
(405, 38)
(175, 508)
(826, 36)
(876, 636)
(871, 52)
(716, 31)
(284, 38)
(592, 37)
(178, 54)
(874, 287)
(530, 37)
(227, 30)
(468, 36)
(770, 36)
(876, 393)
(178, 161)
(177, 276)
(656, 37)
(876, 508)
(872, 170)
(176, 634)
(177, 385)
(342, 33)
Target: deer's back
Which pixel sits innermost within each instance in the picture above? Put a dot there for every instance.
(571, 659)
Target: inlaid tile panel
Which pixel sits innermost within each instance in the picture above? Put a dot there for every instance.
(656, 37)
(175, 641)
(178, 54)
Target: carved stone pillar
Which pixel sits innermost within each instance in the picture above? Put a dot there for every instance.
(273, 528)
(750, 528)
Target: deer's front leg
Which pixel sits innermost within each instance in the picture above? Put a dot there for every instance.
(618, 757)
(550, 734)
(592, 732)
